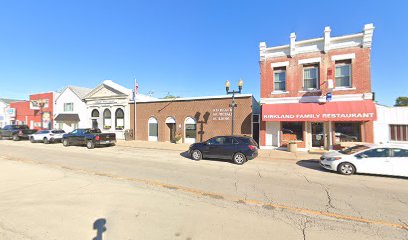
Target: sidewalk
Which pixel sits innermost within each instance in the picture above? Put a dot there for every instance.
(264, 154)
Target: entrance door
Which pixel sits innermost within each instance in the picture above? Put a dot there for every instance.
(317, 134)
(94, 123)
(172, 130)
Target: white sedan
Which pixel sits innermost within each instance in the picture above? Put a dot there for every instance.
(370, 158)
(47, 136)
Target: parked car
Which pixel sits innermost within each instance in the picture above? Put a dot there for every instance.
(16, 132)
(368, 158)
(90, 137)
(239, 149)
(47, 136)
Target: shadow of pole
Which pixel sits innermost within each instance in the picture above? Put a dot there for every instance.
(201, 122)
(99, 226)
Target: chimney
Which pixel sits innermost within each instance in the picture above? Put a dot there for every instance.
(292, 45)
(326, 47)
(368, 35)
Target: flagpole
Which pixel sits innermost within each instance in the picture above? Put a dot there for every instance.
(135, 90)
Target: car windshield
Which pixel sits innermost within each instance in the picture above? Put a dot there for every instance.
(352, 150)
(248, 141)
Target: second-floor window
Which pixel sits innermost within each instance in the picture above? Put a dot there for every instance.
(343, 74)
(68, 107)
(279, 79)
(311, 77)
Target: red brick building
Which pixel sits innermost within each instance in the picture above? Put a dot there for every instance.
(317, 92)
(36, 113)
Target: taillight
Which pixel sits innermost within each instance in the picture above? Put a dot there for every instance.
(97, 138)
(252, 147)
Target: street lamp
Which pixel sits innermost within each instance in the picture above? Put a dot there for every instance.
(233, 105)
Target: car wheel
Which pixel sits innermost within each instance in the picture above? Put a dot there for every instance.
(196, 155)
(239, 158)
(16, 138)
(46, 140)
(32, 140)
(90, 144)
(65, 142)
(346, 168)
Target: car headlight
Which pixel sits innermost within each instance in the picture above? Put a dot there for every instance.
(333, 158)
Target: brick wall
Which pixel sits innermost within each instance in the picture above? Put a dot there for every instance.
(204, 111)
(361, 79)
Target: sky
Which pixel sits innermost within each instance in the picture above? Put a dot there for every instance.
(185, 48)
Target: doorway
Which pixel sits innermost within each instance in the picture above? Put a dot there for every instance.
(94, 123)
(317, 134)
(172, 131)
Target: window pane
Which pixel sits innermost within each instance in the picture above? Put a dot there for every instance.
(279, 80)
(190, 131)
(153, 129)
(310, 78)
(378, 152)
(347, 131)
(343, 75)
(400, 152)
(292, 131)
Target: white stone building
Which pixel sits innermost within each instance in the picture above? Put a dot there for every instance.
(391, 125)
(107, 108)
(70, 110)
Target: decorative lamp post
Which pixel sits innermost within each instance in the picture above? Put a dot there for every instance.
(233, 105)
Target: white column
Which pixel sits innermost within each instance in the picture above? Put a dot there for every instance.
(330, 136)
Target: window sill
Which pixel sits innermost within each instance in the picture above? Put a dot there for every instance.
(279, 92)
(344, 88)
(314, 90)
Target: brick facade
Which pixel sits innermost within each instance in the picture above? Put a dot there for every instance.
(212, 116)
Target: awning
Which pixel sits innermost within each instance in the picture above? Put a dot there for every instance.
(67, 117)
(330, 111)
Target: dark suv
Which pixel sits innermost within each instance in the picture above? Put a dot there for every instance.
(239, 149)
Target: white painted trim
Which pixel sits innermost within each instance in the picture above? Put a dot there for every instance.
(189, 120)
(339, 98)
(279, 92)
(170, 120)
(343, 57)
(192, 98)
(310, 60)
(312, 90)
(280, 64)
(344, 89)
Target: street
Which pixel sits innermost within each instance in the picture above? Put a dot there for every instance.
(56, 192)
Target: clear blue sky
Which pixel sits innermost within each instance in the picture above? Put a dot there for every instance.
(187, 48)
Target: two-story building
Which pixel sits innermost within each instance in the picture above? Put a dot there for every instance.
(70, 110)
(6, 113)
(317, 92)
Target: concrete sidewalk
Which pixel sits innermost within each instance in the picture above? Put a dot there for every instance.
(264, 154)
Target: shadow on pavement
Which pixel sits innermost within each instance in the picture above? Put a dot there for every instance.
(99, 226)
(186, 155)
(311, 164)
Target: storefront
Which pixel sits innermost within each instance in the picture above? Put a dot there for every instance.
(194, 119)
(318, 125)
(391, 125)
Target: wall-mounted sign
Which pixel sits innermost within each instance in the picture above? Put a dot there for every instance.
(221, 114)
(35, 104)
(11, 112)
(105, 102)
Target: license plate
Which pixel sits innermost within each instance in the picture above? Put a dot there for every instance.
(107, 141)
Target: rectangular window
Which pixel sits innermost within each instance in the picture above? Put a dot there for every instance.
(190, 131)
(399, 133)
(279, 79)
(68, 107)
(343, 74)
(347, 131)
(153, 130)
(311, 77)
(292, 131)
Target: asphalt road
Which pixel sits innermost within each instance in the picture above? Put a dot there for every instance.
(56, 192)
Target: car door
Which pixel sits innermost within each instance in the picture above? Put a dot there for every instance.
(214, 146)
(229, 148)
(72, 138)
(399, 161)
(374, 161)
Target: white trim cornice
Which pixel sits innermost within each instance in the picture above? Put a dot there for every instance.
(343, 57)
(310, 60)
(280, 64)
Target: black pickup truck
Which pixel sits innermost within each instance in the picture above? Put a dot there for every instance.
(16, 132)
(90, 137)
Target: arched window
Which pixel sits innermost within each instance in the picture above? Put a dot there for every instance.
(119, 119)
(190, 128)
(107, 120)
(153, 129)
(95, 113)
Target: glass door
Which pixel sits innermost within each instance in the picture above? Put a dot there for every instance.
(317, 134)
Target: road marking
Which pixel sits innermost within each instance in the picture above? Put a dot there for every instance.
(218, 196)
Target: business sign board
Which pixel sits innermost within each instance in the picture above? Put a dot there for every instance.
(11, 112)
